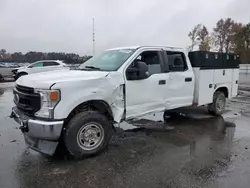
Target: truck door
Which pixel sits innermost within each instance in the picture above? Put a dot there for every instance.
(146, 95)
(180, 84)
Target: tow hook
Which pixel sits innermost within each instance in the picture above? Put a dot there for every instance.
(24, 127)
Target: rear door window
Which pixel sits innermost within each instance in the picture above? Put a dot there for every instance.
(50, 63)
(39, 64)
(176, 61)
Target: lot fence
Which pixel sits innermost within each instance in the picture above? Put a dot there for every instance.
(245, 68)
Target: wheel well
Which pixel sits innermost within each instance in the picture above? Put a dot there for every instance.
(224, 90)
(96, 105)
(22, 73)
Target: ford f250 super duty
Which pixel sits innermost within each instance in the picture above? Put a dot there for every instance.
(80, 107)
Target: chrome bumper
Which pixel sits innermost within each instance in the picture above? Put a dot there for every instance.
(40, 135)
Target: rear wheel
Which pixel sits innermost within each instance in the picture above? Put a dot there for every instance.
(218, 105)
(88, 133)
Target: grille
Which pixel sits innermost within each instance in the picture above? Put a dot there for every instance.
(24, 89)
(26, 100)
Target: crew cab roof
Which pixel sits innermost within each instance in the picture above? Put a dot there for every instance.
(137, 47)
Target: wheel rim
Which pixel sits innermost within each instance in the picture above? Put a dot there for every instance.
(220, 103)
(90, 136)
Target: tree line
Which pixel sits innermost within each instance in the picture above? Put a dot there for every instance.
(227, 36)
(70, 58)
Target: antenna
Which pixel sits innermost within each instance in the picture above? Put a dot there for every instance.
(93, 36)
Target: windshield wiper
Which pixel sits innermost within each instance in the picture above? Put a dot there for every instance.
(92, 67)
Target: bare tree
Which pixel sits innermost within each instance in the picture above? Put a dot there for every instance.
(193, 35)
(204, 39)
(2, 53)
(223, 33)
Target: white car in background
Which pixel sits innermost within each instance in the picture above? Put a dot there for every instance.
(39, 66)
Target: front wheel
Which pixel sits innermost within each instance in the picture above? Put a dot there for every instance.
(88, 133)
(218, 105)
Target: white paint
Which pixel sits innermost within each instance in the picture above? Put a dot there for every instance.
(218, 78)
(203, 94)
(179, 93)
(31, 70)
(223, 76)
(6, 72)
(46, 79)
(235, 82)
(90, 85)
(141, 96)
(145, 96)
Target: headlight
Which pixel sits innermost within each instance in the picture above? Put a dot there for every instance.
(49, 100)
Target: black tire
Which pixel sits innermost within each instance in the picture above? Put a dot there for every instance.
(20, 75)
(218, 105)
(170, 114)
(73, 132)
(1, 78)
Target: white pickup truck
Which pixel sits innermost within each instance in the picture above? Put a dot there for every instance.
(79, 108)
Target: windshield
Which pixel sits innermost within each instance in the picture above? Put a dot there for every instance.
(110, 60)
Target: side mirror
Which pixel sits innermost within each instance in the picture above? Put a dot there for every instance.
(138, 72)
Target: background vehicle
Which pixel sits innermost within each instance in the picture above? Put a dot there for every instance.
(39, 66)
(80, 108)
(6, 70)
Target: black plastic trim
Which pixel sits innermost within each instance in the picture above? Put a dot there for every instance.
(162, 82)
(213, 59)
(189, 79)
(206, 68)
(27, 101)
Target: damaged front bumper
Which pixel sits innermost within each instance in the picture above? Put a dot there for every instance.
(41, 136)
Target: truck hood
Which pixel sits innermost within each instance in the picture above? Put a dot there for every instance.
(46, 79)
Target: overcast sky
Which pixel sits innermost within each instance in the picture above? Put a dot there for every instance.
(66, 25)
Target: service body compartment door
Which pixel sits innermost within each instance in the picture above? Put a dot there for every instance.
(205, 86)
(223, 75)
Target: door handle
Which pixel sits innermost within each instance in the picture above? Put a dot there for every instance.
(188, 79)
(162, 82)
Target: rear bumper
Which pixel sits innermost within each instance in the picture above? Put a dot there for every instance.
(39, 135)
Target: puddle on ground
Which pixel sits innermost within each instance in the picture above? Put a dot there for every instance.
(196, 148)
